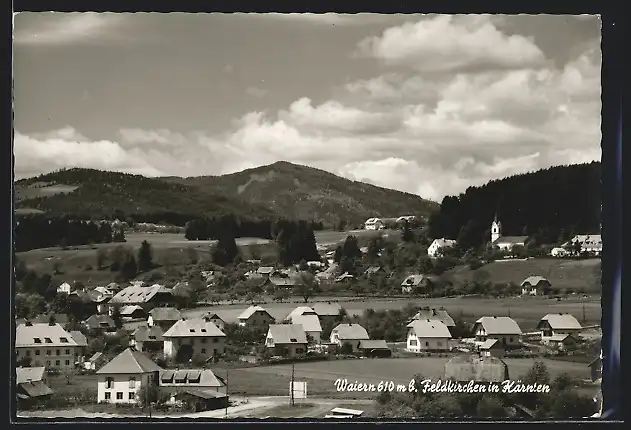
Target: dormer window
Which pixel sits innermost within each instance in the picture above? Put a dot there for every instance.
(152, 338)
(192, 330)
(37, 340)
(63, 339)
(48, 340)
(293, 340)
(203, 330)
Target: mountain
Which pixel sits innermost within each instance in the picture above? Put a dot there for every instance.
(279, 189)
(307, 193)
(550, 204)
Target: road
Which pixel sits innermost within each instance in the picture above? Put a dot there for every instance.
(252, 407)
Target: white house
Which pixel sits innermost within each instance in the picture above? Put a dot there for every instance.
(350, 334)
(535, 286)
(121, 380)
(504, 329)
(427, 335)
(591, 243)
(191, 337)
(374, 224)
(505, 243)
(553, 325)
(308, 319)
(255, 316)
(437, 245)
(64, 288)
(287, 340)
(47, 345)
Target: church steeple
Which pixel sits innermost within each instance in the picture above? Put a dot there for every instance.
(496, 229)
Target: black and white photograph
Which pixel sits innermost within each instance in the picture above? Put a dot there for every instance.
(327, 217)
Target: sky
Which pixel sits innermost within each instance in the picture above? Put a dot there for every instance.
(426, 104)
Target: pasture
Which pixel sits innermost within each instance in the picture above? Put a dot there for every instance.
(578, 275)
(527, 311)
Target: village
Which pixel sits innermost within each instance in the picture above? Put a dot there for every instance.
(147, 347)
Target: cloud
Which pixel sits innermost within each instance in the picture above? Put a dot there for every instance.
(326, 18)
(54, 28)
(158, 137)
(256, 92)
(450, 43)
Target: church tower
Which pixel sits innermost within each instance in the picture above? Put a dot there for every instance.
(496, 229)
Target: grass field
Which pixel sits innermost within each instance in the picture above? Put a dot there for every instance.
(579, 275)
(527, 311)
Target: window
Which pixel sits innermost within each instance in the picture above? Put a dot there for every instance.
(132, 396)
(192, 330)
(214, 352)
(108, 396)
(37, 352)
(215, 340)
(510, 339)
(37, 340)
(58, 352)
(119, 395)
(203, 340)
(132, 382)
(203, 350)
(47, 362)
(67, 352)
(48, 352)
(412, 342)
(203, 330)
(48, 340)
(67, 362)
(299, 350)
(109, 383)
(63, 339)
(426, 343)
(28, 353)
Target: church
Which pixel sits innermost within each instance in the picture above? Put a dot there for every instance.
(504, 243)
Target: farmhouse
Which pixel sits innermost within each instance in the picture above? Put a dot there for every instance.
(100, 323)
(147, 339)
(146, 297)
(349, 334)
(199, 387)
(427, 335)
(374, 224)
(561, 342)
(64, 288)
(434, 249)
(94, 362)
(308, 319)
(374, 348)
(414, 282)
(255, 316)
(589, 243)
(133, 312)
(30, 385)
(535, 286)
(327, 312)
(287, 340)
(373, 270)
(163, 317)
(465, 368)
(504, 243)
(492, 348)
(435, 315)
(193, 337)
(555, 324)
(47, 345)
(215, 319)
(504, 329)
(121, 380)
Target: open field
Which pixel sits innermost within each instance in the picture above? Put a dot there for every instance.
(527, 311)
(579, 275)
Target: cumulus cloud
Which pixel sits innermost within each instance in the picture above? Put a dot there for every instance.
(325, 18)
(428, 134)
(448, 43)
(64, 28)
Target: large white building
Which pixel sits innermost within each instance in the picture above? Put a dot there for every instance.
(438, 244)
(47, 345)
(505, 243)
(374, 224)
(194, 337)
(121, 380)
(428, 335)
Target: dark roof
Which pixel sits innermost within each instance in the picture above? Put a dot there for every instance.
(43, 319)
(287, 333)
(130, 361)
(79, 338)
(512, 239)
(435, 314)
(35, 389)
(373, 344)
(202, 394)
(100, 321)
(148, 334)
(165, 314)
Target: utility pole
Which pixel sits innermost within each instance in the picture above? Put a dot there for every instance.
(227, 398)
(583, 311)
(291, 392)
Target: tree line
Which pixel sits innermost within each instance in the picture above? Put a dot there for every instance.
(42, 231)
(549, 206)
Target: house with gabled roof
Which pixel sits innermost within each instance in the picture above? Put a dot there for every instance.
(350, 334)
(373, 270)
(287, 340)
(557, 324)
(194, 337)
(328, 312)
(535, 286)
(435, 314)
(437, 245)
(308, 319)
(31, 385)
(374, 348)
(121, 380)
(95, 362)
(100, 323)
(146, 338)
(427, 335)
(64, 288)
(491, 348)
(164, 317)
(216, 319)
(255, 316)
(198, 387)
(415, 282)
(504, 329)
(146, 297)
(504, 243)
(47, 345)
